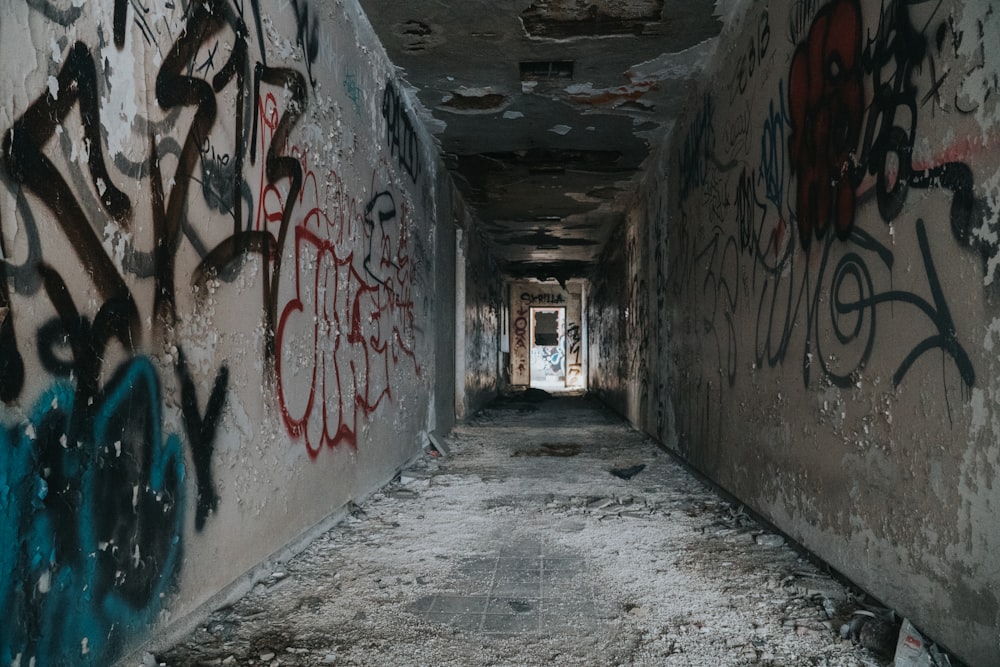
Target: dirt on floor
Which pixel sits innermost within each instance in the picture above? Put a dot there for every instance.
(552, 534)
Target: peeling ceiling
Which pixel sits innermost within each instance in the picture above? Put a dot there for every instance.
(545, 111)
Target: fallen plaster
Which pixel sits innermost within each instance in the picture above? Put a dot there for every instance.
(529, 546)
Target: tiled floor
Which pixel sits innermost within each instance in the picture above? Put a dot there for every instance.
(524, 548)
(517, 591)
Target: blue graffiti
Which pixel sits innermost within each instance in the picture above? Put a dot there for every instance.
(772, 151)
(91, 518)
(353, 90)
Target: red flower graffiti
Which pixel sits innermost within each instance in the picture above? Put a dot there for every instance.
(826, 98)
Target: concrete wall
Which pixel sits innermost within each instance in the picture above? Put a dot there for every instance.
(218, 304)
(810, 312)
(478, 323)
(446, 308)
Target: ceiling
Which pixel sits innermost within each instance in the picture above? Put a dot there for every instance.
(545, 110)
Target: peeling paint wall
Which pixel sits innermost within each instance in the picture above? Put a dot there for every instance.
(810, 308)
(219, 227)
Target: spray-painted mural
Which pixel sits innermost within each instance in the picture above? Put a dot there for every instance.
(215, 233)
(822, 235)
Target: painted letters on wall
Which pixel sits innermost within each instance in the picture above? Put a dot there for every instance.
(527, 295)
(214, 240)
(822, 235)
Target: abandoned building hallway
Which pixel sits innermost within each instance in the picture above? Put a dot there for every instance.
(552, 534)
(258, 257)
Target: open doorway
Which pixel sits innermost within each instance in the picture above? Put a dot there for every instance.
(548, 348)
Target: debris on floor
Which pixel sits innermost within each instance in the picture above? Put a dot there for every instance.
(533, 394)
(876, 632)
(769, 540)
(438, 445)
(628, 473)
(486, 558)
(551, 449)
(912, 650)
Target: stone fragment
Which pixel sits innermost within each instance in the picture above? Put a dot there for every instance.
(769, 540)
(629, 472)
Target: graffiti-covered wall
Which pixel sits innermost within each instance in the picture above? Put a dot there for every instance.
(218, 224)
(621, 327)
(811, 313)
(476, 381)
(527, 294)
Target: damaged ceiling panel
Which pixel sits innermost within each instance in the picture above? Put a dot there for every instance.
(562, 19)
(545, 110)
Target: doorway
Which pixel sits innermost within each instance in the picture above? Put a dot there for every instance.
(548, 348)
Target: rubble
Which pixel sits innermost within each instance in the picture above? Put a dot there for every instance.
(769, 540)
(488, 558)
(628, 473)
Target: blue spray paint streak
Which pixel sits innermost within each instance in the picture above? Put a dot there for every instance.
(25, 529)
(62, 604)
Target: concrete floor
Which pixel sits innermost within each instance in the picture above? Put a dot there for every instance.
(522, 548)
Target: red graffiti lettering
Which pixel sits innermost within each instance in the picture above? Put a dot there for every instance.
(343, 338)
(521, 329)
